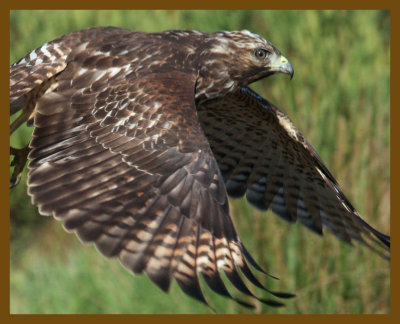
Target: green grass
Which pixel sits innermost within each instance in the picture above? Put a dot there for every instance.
(339, 98)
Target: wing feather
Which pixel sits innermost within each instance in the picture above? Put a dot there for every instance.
(263, 156)
(142, 185)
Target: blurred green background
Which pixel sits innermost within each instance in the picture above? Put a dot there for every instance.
(339, 98)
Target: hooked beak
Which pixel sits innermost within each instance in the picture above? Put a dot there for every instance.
(281, 64)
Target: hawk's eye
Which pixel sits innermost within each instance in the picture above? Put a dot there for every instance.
(261, 53)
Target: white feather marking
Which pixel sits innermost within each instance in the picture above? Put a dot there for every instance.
(220, 263)
(81, 47)
(82, 71)
(100, 75)
(202, 262)
(103, 53)
(124, 105)
(210, 85)
(121, 122)
(229, 84)
(115, 70)
(147, 57)
(166, 125)
(56, 48)
(109, 114)
(219, 48)
(32, 55)
(23, 61)
(237, 259)
(151, 124)
(200, 92)
(44, 50)
(249, 33)
(132, 125)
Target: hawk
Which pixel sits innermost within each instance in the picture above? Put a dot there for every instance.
(139, 139)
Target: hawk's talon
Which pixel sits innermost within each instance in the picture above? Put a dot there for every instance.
(15, 181)
(19, 161)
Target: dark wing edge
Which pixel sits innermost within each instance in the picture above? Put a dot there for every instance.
(135, 176)
(262, 155)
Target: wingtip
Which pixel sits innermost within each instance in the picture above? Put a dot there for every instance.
(383, 238)
(254, 263)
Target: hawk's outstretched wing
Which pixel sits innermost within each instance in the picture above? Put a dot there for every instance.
(261, 154)
(137, 177)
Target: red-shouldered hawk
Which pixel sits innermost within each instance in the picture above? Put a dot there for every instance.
(140, 137)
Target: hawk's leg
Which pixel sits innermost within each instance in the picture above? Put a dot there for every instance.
(20, 155)
(26, 115)
(19, 161)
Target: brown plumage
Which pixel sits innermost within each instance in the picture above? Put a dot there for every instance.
(140, 138)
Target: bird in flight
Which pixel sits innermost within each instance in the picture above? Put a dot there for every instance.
(139, 139)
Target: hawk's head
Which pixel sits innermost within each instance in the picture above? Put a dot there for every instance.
(233, 59)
